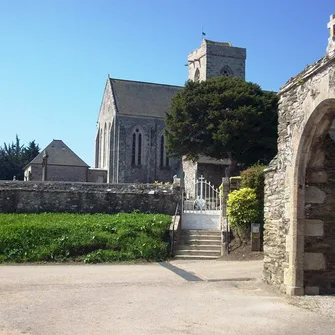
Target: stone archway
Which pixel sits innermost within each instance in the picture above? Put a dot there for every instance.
(299, 236)
(312, 250)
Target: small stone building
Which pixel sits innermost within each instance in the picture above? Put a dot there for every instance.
(129, 142)
(211, 169)
(299, 209)
(57, 162)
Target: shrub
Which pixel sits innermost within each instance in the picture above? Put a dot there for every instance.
(253, 177)
(242, 210)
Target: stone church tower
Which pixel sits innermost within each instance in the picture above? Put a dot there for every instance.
(212, 59)
(215, 59)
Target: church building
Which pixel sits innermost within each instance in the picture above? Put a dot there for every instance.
(129, 143)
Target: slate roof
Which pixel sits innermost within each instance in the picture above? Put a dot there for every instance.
(135, 98)
(59, 154)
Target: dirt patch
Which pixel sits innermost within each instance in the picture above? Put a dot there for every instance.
(241, 251)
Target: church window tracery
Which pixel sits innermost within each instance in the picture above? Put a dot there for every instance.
(101, 148)
(137, 146)
(226, 71)
(97, 148)
(105, 145)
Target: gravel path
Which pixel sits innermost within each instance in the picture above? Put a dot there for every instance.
(149, 299)
(322, 305)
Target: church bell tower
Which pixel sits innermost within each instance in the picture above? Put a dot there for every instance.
(215, 59)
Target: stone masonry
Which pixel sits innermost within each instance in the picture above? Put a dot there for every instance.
(299, 208)
(36, 197)
(215, 59)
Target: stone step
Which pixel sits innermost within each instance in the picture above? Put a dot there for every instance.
(196, 241)
(199, 252)
(194, 257)
(205, 247)
(200, 237)
(199, 244)
(200, 232)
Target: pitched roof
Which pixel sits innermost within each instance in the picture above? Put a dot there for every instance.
(59, 154)
(135, 98)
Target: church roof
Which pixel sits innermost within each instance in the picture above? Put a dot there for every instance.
(226, 44)
(135, 98)
(59, 154)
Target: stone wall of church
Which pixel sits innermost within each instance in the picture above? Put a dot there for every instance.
(36, 197)
(150, 169)
(197, 62)
(104, 131)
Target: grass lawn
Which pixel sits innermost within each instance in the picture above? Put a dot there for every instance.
(91, 238)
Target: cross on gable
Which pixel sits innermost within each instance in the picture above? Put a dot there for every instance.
(331, 26)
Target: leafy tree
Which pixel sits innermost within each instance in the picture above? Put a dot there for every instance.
(31, 151)
(14, 156)
(223, 116)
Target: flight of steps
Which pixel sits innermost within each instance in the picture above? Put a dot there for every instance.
(199, 244)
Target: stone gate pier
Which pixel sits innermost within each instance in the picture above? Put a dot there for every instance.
(299, 237)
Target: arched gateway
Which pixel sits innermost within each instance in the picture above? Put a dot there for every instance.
(299, 237)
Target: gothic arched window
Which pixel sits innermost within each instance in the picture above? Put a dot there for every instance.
(197, 75)
(105, 145)
(226, 71)
(97, 148)
(164, 159)
(101, 148)
(137, 147)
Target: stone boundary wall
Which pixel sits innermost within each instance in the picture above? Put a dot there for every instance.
(71, 197)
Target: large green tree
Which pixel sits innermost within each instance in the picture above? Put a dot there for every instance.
(13, 158)
(223, 116)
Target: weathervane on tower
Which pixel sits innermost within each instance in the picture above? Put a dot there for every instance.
(203, 34)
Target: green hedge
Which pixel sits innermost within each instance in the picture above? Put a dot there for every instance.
(83, 237)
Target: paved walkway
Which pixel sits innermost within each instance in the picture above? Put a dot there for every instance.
(227, 298)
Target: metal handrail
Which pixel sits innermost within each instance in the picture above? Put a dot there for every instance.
(173, 226)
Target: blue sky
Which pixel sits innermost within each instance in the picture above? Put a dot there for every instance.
(55, 55)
